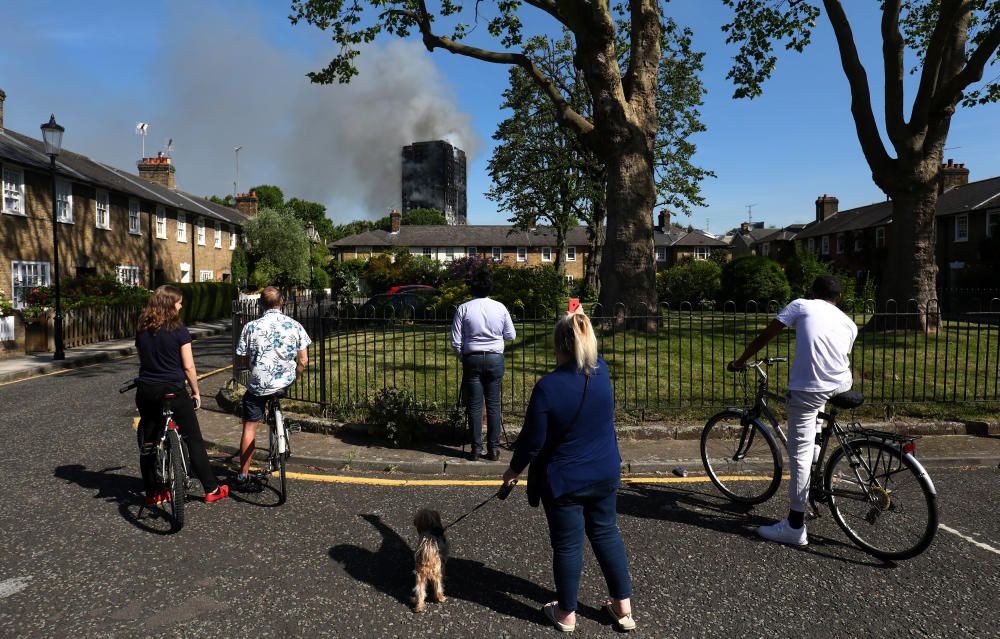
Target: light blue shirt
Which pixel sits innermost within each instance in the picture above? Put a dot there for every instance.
(272, 342)
(480, 326)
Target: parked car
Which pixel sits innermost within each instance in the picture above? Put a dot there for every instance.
(400, 301)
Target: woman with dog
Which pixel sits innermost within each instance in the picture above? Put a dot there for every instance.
(569, 433)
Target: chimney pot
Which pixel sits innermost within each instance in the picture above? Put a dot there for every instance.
(952, 175)
(664, 219)
(395, 219)
(364, 226)
(826, 207)
(158, 169)
(247, 203)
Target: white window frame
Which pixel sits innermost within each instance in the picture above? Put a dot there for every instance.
(472, 251)
(13, 191)
(765, 249)
(182, 230)
(206, 276)
(570, 278)
(661, 254)
(233, 237)
(64, 199)
(962, 227)
(185, 270)
(127, 274)
(989, 216)
(427, 252)
(21, 280)
(824, 245)
(218, 235)
(102, 209)
(546, 254)
(522, 254)
(570, 253)
(134, 217)
(161, 222)
(496, 253)
(358, 250)
(449, 254)
(880, 237)
(701, 253)
(841, 243)
(201, 231)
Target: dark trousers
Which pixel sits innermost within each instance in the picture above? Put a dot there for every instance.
(591, 511)
(482, 374)
(149, 401)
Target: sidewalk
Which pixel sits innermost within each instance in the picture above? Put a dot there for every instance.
(351, 449)
(15, 368)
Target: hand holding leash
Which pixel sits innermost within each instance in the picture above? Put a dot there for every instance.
(505, 490)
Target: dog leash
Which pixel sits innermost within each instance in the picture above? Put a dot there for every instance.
(500, 494)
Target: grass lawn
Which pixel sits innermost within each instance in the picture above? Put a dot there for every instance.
(678, 369)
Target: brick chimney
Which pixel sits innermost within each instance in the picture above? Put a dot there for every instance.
(365, 226)
(664, 219)
(3, 96)
(158, 169)
(246, 203)
(826, 207)
(744, 228)
(953, 175)
(532, 221)
(395, 219)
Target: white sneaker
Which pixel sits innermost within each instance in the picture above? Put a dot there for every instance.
(782, 533)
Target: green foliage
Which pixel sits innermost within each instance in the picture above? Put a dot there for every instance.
(6, 306)
(802, 270)
(206, 300)
(754, 278)
(315, 213)
(238, 265)
(345, 280)
(85, 291)
(535, 291)
(382, 272)
(269, 196)
(424, 217)
(395, 414)
(228, 200)
(696, 281)
(278, 249)
(451, 294)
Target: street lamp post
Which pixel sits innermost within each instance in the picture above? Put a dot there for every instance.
(313, 239)
(52, 134)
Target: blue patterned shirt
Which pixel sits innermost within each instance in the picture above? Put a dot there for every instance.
(272, 343)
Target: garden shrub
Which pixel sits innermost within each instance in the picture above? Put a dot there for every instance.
(345, 280)
(754, 278)
(534, 291)
(697, 282)
(206, 300)
(805, 266)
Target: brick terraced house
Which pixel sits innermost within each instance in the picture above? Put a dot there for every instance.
(138, 228)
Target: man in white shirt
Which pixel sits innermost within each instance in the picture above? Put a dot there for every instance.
(478, 331)
(820, 369)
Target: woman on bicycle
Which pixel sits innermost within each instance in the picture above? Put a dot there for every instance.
(165, 361)
(569, 428)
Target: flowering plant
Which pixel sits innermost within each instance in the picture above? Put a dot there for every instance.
(36, 303)
(5, 304)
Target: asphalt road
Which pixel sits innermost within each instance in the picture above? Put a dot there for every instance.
(335, 561)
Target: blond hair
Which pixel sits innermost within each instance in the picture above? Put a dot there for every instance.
(574, 338)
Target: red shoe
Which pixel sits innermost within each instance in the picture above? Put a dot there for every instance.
(158, 498)
(220, 493)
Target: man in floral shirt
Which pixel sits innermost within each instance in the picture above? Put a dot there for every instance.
(274, 349)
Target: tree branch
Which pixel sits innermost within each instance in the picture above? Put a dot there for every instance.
(930, 76)
(549, 7)
(973, 71)
(641, 78)
(892, 60)
(861, 102)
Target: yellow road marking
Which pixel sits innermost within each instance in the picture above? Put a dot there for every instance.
(135, 423)
(216, 371)
(380, 481)
(58, 372)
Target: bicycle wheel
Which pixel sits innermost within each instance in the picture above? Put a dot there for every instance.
(176, 478)
(882, 499)
(741, 459)
(276, 460)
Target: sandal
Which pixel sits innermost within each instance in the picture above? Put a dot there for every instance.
(622, 624)
(550, 612)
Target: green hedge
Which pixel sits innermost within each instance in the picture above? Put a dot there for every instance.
(206, 300)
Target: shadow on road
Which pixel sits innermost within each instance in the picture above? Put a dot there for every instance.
(694, 508)
(390, 570)
(124, 490)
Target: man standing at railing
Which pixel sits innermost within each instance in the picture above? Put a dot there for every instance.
(824, 336)
(273, 347)
(478, 332)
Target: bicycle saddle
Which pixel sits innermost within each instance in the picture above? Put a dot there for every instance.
(169, 395)
(850, 399)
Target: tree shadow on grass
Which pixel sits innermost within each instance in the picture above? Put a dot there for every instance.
(390, 571)
(124, 490)
(714, 513)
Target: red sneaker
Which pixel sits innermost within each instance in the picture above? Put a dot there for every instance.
(220, 493)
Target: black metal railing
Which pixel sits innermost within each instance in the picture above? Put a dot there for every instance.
(660, 361)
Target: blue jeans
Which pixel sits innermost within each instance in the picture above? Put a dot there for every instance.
(482, 373)
(591, 510)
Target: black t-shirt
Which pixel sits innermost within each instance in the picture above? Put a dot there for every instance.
(160, 355)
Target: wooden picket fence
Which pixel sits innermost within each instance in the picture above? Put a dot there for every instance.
(88, 325)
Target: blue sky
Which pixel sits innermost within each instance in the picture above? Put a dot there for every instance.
(213, 75)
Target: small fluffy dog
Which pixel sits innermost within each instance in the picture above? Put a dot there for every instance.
(430, 557)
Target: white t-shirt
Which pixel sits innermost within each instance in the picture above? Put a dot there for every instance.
(824, 337)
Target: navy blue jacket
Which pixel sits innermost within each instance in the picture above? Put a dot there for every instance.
(588, 453)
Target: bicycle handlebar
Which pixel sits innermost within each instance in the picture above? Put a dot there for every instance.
(766, 361)
(129, 385)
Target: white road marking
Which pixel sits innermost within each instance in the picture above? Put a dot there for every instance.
(969, 539)
(13, 586)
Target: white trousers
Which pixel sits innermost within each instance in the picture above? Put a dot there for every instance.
(803, 408)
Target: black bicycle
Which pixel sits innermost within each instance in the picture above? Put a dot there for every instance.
(878, 493)
(171, 461)
(279, 447)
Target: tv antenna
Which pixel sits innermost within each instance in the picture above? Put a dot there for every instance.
(169, 147)
(236, 183)
(141, 129)
(750, 213)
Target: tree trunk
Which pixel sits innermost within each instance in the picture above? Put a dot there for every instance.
(908, 285)
(560, 262)
(595, 236)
